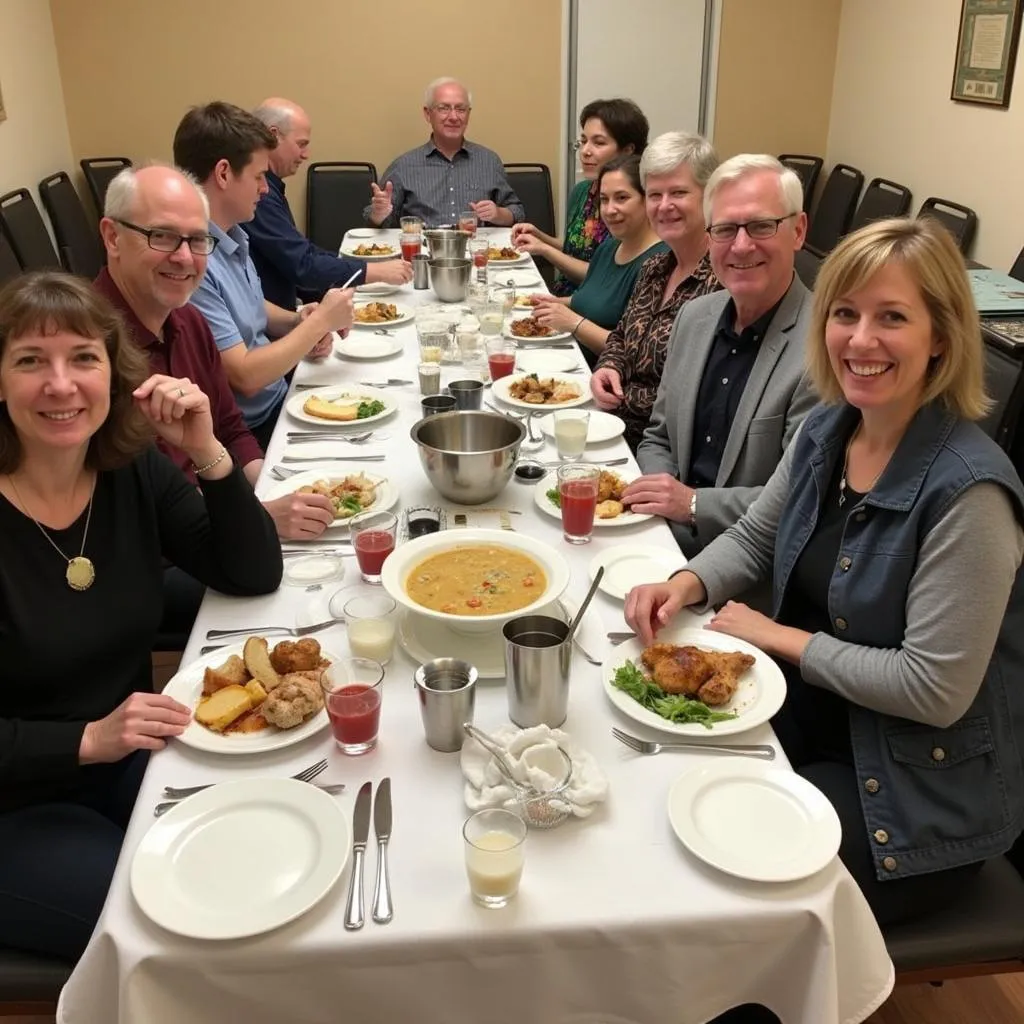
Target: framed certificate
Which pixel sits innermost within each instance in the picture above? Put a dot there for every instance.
(986, 51)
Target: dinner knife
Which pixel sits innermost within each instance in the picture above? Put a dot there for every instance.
(382, 909)
(360, 833)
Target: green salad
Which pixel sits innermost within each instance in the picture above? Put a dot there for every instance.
(672, 706)
(369, 409)
(554, 497)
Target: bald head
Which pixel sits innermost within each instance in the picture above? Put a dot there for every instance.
(290, 123)
(133, 188)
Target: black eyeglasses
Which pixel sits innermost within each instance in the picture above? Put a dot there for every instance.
(170, 241)
(757, 229)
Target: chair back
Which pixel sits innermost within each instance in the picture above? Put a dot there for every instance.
(337, 192)
(807, 169)
(1004, 384)
(834, 211)
(881, 199)
(807, 266)
(77, 239)
(99, 172)
(9, 265)
(1017, 270)
(21, 222)
(532, 183)
(960, 221)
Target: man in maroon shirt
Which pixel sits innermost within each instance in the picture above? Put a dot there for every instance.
(146, 211)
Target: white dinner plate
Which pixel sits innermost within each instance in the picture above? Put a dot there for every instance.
(378, 288)
(331, 392)
(753, 820)
(350, 252)
(520, 278)
(760, 693)
(540, 362)
(602, 426)
(547, 339)
(385, 497)
(631, 565)
(365, 233)
(186, 687)
(404, 316)
(545, 504)
(367, 345)
(523, 257)
(240, 858)
(501, 386)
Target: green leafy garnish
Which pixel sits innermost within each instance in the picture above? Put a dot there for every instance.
(672, 706)
(369, 409)
(554, 497)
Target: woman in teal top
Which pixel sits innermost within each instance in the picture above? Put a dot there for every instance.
(596, 307)
(608, 128)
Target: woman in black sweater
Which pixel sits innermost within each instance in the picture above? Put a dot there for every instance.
(89, 510)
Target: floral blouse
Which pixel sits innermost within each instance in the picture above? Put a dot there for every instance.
(637, 346)
(584, 232)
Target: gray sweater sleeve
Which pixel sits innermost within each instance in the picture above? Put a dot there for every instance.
(950, 635)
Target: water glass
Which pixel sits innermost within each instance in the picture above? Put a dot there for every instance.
(577, 489)
(491, 315)
(411, 225)
(370, 622)
(468, 394)
(373, 539)
(538, 660)
(468, 221)
(430, 378)
(433, 337)
(571, 427)
(446, 690)
(494, 842)
(352, 696)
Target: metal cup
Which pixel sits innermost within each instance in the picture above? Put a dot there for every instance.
(537, 661)
(468, 394)
(433, 404)
(446, 688)
(420, 272)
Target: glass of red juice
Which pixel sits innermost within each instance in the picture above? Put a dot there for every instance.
(352, 695)
(373, 538)
(501, 357)
(577, 490)
(411, 245)
(468, 221)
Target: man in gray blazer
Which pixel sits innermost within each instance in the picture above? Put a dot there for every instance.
(734, 389)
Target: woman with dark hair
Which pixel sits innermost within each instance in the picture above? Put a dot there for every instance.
(89, 510)
(608, 128)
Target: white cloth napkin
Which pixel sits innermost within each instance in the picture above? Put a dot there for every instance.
(534, 758)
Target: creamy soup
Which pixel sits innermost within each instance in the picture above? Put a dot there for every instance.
(478, 579)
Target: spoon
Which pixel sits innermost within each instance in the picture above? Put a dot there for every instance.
(574, 625)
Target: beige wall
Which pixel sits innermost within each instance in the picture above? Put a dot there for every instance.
(358, 68)
(892, 117)
(776, 63)
(34, 138)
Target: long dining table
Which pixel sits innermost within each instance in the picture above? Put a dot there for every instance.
(615, 922)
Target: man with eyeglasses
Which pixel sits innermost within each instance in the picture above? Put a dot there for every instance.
(447, 174)
(734, 389)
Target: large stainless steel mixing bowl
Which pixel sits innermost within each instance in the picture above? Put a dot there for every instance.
(468, 456)
(446, 243)
(450, 278)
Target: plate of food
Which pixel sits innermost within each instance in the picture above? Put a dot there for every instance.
(379, 314)
(351, 492)
(530, 329)
(610, 510)
(506, 255)
(530, 391)
(524, 301)
(368, 250)
(694, 682)
(539, 361)
(601, 427)
(367, 345)
(340, 404)
(250, 697)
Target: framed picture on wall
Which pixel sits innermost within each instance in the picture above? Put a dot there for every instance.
(986, 51)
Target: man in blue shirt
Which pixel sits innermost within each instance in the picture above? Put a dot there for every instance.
(285, 259)
(228, 150)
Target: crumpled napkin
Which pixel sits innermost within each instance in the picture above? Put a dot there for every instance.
(533, 756)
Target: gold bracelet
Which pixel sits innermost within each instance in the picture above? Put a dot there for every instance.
(210, 465)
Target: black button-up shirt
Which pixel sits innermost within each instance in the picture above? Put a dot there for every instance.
(725, 376)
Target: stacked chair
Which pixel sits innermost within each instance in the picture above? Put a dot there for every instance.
(21, 222)
(807, 169)
(77, 240)
(831, 220)
(960, 221)
(99, 171)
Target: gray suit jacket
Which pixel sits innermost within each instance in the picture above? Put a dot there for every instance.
(777, 397)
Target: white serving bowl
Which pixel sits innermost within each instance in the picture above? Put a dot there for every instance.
(407, 556)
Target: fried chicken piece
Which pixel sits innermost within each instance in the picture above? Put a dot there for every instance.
(296, 699)
(728, 668)
(295, 655)
(610, 486)
(678, 669)
(609, 509)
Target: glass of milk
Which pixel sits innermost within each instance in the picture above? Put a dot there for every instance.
(370, 620)
(571, 427)
(495, 841)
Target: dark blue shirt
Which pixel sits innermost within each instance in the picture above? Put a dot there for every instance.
(285, 259)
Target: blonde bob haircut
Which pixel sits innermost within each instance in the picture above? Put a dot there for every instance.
(929, 254)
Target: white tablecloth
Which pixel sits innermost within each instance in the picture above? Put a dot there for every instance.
(615, 923)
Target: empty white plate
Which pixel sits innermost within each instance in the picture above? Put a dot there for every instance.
(366, 345)
(539, 361)
(630, 565)
(602, 426)
(378, 288)
(240, 858)
(753, 820)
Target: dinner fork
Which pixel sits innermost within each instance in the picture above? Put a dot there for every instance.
(327, 435)
(357, 439)
(223, 634)
(332, 458)
(762, 751)
(307, 774)
(620, 638)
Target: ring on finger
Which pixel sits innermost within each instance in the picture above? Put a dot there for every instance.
(181, 392)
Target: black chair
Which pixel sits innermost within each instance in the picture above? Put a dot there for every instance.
(77, 239)
(532, 183)
(881, 199)
(30, 984)
(807, 266)
(99, 171)
(21, 222)
(336, 195)
(834, 211)
(9, 265)
(807, 169)
(1004, 384)
(961, 221)
(1017, 270)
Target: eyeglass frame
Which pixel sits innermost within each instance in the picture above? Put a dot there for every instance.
(444, 109)
(187, 239)
(774, 221)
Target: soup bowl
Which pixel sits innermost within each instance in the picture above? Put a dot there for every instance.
(401, 563)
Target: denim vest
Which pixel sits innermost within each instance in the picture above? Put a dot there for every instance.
(932, 798)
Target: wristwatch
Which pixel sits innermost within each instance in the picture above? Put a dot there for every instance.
(693, 510)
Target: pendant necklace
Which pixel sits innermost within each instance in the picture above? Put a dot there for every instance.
(846, 466)
(80, 572)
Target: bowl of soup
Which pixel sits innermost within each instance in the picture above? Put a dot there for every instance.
(474, 580)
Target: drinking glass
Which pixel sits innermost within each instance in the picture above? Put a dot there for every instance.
(433, 337)
(478, 249)
(430, 378)
(571, 427)
(373, 538)
(577, 489)
(352, 695)
(431, 405)
(501, 357)
(491, 315)
(370, 621)
(494, 845)
(468, 221)
(411, 245)
(411, 225)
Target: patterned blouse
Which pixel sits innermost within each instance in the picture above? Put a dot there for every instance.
(637, 346)
(584, 232)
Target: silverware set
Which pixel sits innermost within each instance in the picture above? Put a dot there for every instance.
(330, 458)
(762, 751)
(311, 437)
(223, 634)
(381, 910)
(391, 382)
